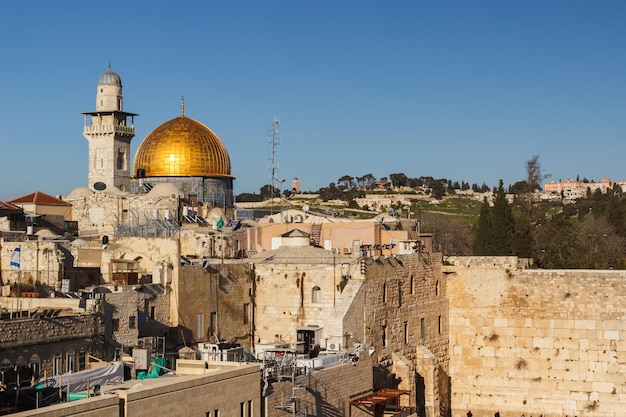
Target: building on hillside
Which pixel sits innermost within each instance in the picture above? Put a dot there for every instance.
(574, 189)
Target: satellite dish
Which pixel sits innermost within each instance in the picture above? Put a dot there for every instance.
(391, 212)
(100, 186)
(399, 211)
(305, 208)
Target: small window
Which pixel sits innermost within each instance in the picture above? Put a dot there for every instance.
(152, 309)
(384, 292)
(411, 284)
(70, 365)
(383, 331)
(57, 364)
(249, 408)
(82, 359)
(115, 324)
(242, 409)
(246, 313)
(422, 328)
(406, 332)
(132, 322)
(200, 326)
(439, 324)
(316, 295)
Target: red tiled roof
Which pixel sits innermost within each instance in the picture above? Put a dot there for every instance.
(40, 198)
(8, 206)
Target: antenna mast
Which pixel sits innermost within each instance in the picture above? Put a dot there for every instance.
(274, 139)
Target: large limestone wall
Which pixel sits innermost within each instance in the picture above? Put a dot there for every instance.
(536, 341)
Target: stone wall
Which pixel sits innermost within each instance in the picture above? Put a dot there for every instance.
(219, 395)
(325, 392)
(35, 340)
(406, 319)
(548, 342)
(297, 294)
(222, 290)
(101, 406)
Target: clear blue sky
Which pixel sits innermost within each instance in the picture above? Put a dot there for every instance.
(466, 90)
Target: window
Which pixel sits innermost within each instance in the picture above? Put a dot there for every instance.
(132, 322)
(96, 215)
(57, 363)
(200, 326)
(406, 332)
(411, 284)
(439, 324)
(216, 412)
(82, 359)
(384, 292)
(249, 408)
(35, 365)
(316, 295)
(242, 409)
(213, 324)
(383, 330)
(70, 358)
(152, 309)
(246, 313)
(120, 159)
(115, 324)
(422, 328)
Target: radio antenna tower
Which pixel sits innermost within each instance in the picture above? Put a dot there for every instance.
(274, 139)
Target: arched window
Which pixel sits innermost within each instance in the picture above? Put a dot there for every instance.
(316, 295)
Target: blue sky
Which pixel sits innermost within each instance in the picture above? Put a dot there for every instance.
(466, 90)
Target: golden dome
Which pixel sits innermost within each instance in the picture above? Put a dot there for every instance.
(182, 147)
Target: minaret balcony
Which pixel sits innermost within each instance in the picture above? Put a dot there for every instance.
(107, 129)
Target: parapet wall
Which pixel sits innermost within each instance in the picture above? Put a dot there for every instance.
(549, 342)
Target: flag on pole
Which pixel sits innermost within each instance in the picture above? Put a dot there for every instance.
(220, 223)
(15, 258)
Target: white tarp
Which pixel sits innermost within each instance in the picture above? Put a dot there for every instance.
(78, 381)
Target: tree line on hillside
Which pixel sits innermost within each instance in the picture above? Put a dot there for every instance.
(347, 188)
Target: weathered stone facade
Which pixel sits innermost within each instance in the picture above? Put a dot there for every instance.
(406, 322)
(302, 286)
(39, 340)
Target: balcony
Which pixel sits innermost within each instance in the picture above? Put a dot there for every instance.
(107, 129)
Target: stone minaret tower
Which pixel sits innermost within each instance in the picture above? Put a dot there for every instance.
(109, 135)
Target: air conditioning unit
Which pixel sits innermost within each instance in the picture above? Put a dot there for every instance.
(347, 251)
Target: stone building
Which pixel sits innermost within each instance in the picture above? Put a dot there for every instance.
(406, 323)
(298, 285)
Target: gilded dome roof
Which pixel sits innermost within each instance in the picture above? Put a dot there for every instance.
(110, 77)
(182, 147)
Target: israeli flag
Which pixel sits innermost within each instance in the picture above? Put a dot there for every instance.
(15, 258)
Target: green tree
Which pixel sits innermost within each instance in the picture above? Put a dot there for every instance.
(482, 242)
(496, 227)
